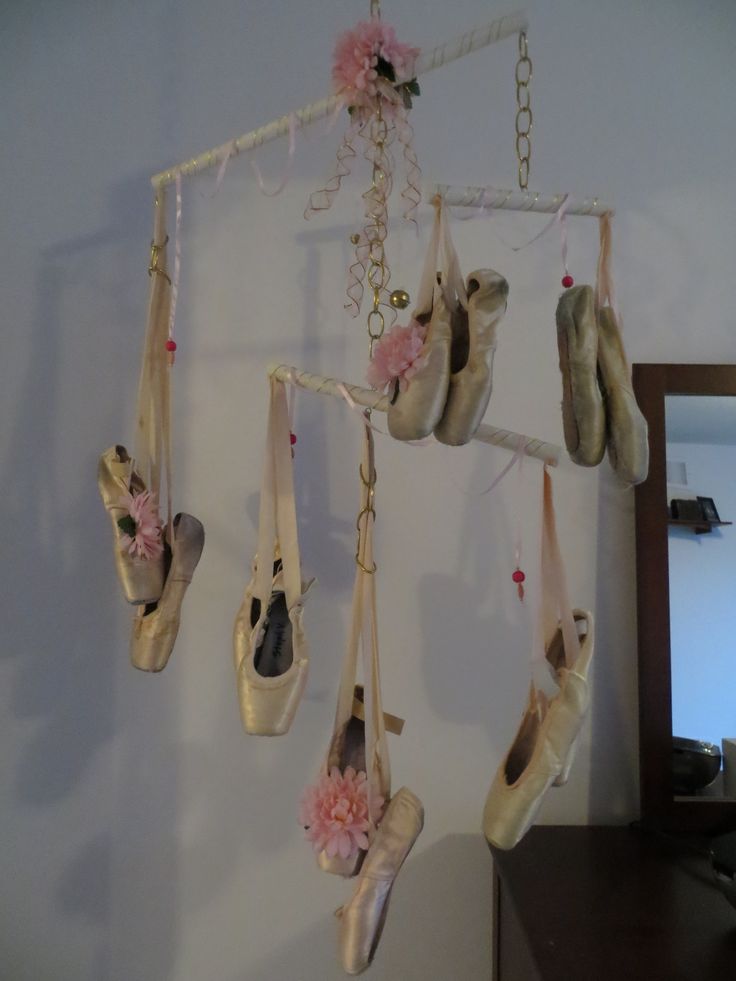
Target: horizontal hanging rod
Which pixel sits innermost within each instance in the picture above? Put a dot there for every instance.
(474, 40)
(375, 400)
(496, 198)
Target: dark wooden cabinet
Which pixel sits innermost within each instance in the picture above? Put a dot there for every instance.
(609, 904)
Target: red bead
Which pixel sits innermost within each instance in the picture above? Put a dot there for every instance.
(170, 345)
(568, 281)
(518, 576)
(292, 438)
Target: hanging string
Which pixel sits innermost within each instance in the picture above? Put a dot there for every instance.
(171, 343)
(604, 279)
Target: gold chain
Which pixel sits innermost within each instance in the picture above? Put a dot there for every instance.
(523, 77)
(378, 273)
(367, 512)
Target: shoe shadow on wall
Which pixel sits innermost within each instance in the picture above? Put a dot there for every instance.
(473, 647)
(428, 933)
(67, 632)
(614, 708)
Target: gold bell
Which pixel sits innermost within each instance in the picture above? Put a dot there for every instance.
(355, 238)
(400, 299)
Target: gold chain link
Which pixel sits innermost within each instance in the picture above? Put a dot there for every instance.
(524, 120)
(368, 511)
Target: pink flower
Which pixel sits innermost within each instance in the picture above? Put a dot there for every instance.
(334, 812)
(144, 539)
(398, 356)
(357, 52)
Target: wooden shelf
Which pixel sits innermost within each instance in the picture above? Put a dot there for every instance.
(699, 527)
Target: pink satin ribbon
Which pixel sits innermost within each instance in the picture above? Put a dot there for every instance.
(557, 218)
(177, 259)
(289, 164)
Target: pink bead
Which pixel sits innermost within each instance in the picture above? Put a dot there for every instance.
(568, 281)
(518, 576)
(292, 438)
(171, 345)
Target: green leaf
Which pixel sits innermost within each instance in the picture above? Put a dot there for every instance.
(385, 69)
(413, 87)
(127, 525)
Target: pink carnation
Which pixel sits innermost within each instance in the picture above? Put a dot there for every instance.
(334, 812)
(398, 356)
(142, 508)
(356, 56)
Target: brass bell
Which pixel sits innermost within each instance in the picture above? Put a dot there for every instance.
(400, 299)
(355, 238)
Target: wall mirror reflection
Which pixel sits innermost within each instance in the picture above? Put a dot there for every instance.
(700, 435)
(686, 583)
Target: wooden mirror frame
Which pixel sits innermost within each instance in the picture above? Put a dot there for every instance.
(659, 807)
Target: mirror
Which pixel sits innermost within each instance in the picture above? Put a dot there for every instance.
(686, 577)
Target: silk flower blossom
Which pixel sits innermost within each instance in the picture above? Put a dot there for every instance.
(141, 526)
(335, 812)
(356, 71)
(398, 356)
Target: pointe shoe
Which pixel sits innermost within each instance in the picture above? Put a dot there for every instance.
(363, 916)
(271, 657)
(544, 747)
(413, 413)
(471, 357)
(583, 415)
(142, 579)
(628, 442)
(348, 749)
(156, 627)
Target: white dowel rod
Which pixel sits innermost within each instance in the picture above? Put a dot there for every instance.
(503, 200)
(366, 397)
(474, 40)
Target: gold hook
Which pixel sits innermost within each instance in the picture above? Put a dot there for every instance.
(154, 267)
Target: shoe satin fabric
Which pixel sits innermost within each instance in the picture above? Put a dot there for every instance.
(268, 704)
(471, 360)
(583, 414)
(155, 630)
(543, 749)
(628, 434)
(142, 579)
(362, 918)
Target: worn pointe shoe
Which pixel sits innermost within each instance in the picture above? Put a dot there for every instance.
(415, 412)
(544, 746)
(471, 357)
(271, 657)
(142, 579)
(628, 438)
(362, 918)
(583, 415)
(157, 625)
(348, 749)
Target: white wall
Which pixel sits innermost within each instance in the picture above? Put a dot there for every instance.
(145, 837)
(701, 602)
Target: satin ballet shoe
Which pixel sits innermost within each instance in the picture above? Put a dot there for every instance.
(348, 749)
(413, 413)
(471, 357)
(156, 627)
(627, 431)
(583, 414)
(271, 658)
(363, 917)
(544, 747)
(142, 579)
